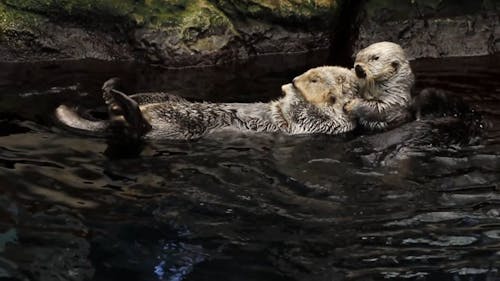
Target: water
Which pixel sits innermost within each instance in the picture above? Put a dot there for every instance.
(417, 203)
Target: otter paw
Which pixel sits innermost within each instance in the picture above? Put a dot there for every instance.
(350, 105)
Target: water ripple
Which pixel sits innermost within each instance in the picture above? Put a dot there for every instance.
(419, 202)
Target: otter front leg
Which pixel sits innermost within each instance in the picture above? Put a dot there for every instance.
(369, 110)
(371, 114)
(126, 119)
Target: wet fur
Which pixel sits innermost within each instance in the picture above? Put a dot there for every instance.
(385, 90)
(154, 116)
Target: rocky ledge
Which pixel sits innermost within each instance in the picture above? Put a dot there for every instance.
(179, 33)
(173, 33)
(432, 28)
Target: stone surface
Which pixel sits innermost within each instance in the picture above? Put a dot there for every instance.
(178, 33)
(44, 30)
(172, 33)
(432, 28)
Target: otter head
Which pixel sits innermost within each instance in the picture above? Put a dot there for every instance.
(327, 86)
(314, 102)
(382, 62)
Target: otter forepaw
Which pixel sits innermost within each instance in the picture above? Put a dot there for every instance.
(350, 105)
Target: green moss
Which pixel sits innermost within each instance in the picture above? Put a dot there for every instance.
(188, 20)
(201, 15)
(193, 21)
(159, 12)
(11, 19)
(153, 13)
(74, 7)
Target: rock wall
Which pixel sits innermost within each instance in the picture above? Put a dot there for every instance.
(178, 33)
(432, 28)
(173, 33)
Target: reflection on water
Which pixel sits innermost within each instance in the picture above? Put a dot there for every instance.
(417, 203)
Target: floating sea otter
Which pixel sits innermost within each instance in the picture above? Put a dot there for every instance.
(386, 81)
(163, 116)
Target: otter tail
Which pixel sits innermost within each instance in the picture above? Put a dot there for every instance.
(125, 122)
(72, 120)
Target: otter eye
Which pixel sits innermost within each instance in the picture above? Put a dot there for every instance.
(314, 80)
(333, 99)
(395, 64)
(375, 58)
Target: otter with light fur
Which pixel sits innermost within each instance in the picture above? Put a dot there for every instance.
(162, 116)
(386, 80)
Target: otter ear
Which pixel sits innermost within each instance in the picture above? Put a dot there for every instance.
(395, 64)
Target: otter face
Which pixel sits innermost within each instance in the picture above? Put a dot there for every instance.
(296, 115)
(314, 102)
(327, 86)
(381, 61)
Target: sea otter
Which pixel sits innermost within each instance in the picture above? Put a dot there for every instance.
(163, 116)
(386, 81)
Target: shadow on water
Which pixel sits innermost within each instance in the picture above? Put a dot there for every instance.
(416, 205)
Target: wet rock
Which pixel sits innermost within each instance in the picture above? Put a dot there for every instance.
(172, 33)
(435, 28)
(284, 10)
(46, 32)
(282, 26)
(198, 34)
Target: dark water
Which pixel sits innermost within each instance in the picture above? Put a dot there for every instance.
(260, 207)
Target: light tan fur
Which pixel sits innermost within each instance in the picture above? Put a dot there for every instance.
(386, 79)
(327, 86)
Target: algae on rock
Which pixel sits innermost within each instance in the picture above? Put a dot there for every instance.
(282, 10)
(173, 33)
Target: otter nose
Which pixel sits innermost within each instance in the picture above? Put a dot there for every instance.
(360, 72)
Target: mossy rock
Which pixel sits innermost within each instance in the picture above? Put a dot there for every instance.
(154, 12)
(12, 19)
(188, 15)
(202, 19)
(286, 11)
(182, 32)
(68, 9)
(196, 29)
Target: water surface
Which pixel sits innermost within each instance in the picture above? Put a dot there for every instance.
(260, 207)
